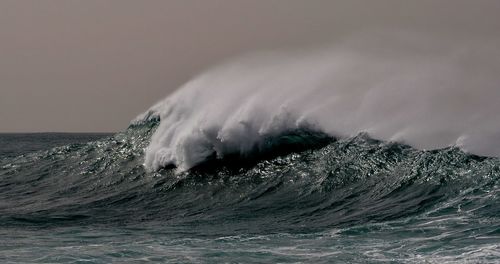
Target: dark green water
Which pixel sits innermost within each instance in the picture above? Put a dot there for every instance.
(354, 200)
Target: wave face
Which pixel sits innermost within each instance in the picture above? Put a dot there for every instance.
(425, 91)
(354, 199)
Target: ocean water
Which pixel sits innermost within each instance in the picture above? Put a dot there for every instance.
(315, 199)
(381, 149)
(16, 144)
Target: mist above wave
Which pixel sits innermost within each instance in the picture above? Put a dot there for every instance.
(424, 90)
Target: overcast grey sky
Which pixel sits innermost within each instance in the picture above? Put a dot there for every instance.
(93, 65)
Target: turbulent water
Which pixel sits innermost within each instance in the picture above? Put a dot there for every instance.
(374, 150)
(424, 90)
(339, 200)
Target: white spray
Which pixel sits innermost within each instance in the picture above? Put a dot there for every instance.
(417, 89)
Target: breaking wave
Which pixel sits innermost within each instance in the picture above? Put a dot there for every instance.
(407, 87)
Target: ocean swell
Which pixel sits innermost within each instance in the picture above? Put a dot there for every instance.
(426, 91)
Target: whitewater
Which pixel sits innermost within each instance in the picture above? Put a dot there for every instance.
(424, 90)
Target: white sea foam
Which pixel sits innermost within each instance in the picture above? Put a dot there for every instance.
(419, 89)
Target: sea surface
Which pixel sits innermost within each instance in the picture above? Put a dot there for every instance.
(87, 198)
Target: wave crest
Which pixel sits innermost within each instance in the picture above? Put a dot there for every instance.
(422, 90)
